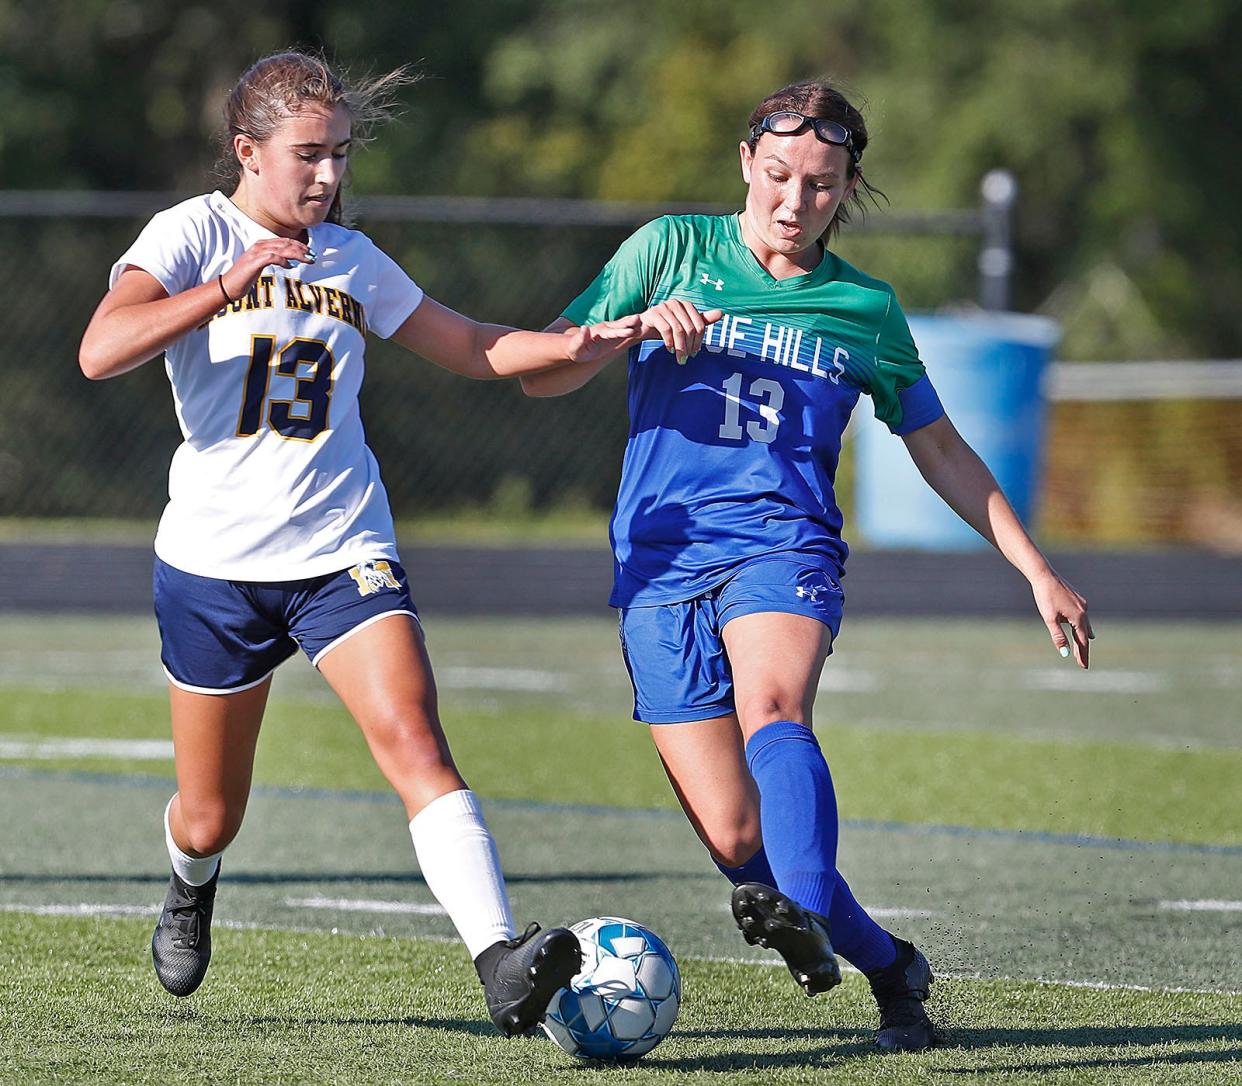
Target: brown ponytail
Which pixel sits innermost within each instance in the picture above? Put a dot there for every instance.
(282, 84)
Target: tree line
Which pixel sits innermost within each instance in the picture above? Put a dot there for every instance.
(1119, 118)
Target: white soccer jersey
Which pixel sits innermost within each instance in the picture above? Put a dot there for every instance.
(274, 481)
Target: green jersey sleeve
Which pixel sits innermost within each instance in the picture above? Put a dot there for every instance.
(897, 369)
(628, 281)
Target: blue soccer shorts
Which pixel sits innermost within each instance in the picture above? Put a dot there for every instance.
(675, 654)
(221, 637)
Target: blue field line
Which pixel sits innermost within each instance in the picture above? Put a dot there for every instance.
(360, 795)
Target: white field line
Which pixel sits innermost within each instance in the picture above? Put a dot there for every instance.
(897, 913)
(237, 925)
(844, 680)
(107, 911)
(1101, 986)
(1204, 905)
(53, 747)
(364, 905)
(16, 665)
(1051, 982)
(1096, 682)
(880, 912)
(502, 678)
(83, 909)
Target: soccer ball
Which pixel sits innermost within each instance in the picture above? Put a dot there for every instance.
(624, 1000)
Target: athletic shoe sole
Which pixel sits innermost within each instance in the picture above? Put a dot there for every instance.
(770, 919)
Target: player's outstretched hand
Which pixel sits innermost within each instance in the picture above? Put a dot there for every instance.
(1060, 603)
(679, 325)
(282, 252)
(593, 342)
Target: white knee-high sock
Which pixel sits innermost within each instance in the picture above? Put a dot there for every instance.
(459, 860)
(196, 870)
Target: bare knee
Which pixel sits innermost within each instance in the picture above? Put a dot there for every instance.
(767, 707)
(735, 843)
(208, 827)
(412, 745)
(413, 755)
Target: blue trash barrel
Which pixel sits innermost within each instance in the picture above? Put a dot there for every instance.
(988, 370)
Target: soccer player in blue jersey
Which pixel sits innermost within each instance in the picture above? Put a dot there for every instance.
(727, 534)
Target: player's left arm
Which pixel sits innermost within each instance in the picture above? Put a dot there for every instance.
(955, 472)
(484, 351)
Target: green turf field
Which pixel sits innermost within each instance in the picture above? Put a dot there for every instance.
(1067, 848)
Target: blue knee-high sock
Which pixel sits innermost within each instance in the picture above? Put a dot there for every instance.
(798, 817)
(797, 811)
(855, 936)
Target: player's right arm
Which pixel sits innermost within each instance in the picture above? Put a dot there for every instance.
(678, 324)
(138, 319)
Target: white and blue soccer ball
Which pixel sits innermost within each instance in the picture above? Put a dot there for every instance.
(625, 998)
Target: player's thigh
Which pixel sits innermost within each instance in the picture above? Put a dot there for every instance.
(776, 660)
(214, 738)
(778, 616)
(360, 628)
(383, 675)
(705, 761)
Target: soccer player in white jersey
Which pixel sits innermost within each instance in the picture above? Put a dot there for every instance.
(277, 532)
(727, 534)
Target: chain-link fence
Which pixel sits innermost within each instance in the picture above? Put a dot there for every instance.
(73, 448)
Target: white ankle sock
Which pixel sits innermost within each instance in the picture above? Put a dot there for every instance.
(196, 870)
(459, 860)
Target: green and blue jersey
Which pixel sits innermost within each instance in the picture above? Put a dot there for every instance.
(733, 455)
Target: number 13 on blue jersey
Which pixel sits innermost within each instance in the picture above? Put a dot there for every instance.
(765, 398)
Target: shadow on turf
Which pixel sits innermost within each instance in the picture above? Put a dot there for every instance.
(478, 1027)
(802, 1049)
(1090, 1036)
(1230, 1055)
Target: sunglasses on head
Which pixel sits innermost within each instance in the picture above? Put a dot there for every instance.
(788, 123)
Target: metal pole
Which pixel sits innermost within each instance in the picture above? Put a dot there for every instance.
(1000, 191)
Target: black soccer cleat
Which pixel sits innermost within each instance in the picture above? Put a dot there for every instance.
(770, 919)
(901, 989)
(181, 945)
(531, 969)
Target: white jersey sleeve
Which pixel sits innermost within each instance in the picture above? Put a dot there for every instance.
(169, 248)
(396, 296)
(273, 481)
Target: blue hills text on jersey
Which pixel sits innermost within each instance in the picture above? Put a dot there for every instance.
(794, 348)
(271, 291)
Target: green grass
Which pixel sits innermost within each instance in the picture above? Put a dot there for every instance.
(967, 778)
(974, 724)
(312, 1007)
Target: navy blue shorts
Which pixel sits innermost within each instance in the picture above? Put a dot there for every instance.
(676, 656)
(220, 637)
